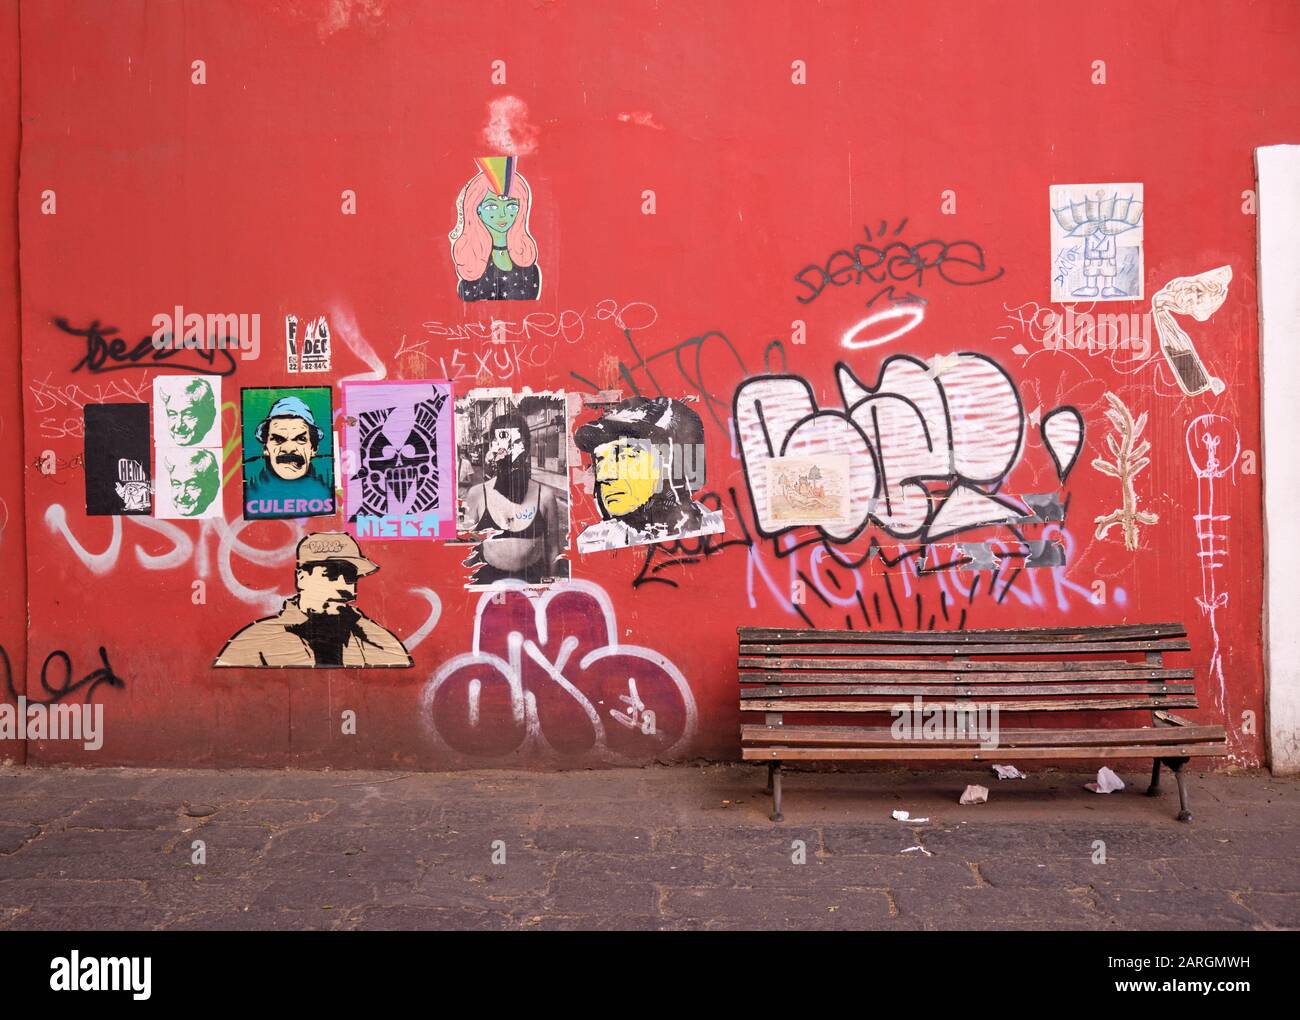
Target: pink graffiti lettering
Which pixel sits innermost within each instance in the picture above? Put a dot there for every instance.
(544, 676)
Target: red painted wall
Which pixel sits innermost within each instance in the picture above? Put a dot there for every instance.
(226, 197)
(13, 557)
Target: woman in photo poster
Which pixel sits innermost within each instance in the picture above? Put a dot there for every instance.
(495, 255)
(522, 520)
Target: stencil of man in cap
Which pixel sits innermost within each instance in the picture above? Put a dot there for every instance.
(320, 627)
(287, 481)
(647, 454)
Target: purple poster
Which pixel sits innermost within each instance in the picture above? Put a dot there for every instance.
(399, 465)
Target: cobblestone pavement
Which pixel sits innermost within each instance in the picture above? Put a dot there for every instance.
(665, 847)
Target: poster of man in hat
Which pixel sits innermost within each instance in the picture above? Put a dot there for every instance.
(647, 456)
(288, 452)
(320, 627)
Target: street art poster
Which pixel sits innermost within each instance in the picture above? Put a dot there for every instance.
(187, 446)
(1096, 242)
(187, 411)
(307, 345)
(189, 483)
(512, 480)
(288, 452)
(1198, 297)
(494, 253)
(320, 627)
(809, 490)
(117, 460)
(399, 462)
(647, 457)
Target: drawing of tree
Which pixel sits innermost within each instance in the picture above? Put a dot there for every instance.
(1130, 460)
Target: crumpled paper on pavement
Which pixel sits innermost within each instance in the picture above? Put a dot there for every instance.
(974, 794)
(903, 816)
(1009, 772)
(1107, 782)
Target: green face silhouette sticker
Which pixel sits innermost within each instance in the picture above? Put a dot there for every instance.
(195, 480)
(190, 412)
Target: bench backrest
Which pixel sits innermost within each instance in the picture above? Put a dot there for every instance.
(1029, 670)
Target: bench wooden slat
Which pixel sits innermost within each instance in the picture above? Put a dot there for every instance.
(834, 684)
(758, 733)
(956, 665)
(1041, 705)
(868, 646)
(798, 677)
(984, 692)
(1121, 632)
(999, 754)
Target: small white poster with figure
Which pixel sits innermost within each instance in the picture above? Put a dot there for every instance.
(1096, 242)
(809, 490)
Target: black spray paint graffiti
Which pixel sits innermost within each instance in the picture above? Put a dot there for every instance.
(695, 360)
(107, 352)
(885, 587)
(886, 263)
(59, 684)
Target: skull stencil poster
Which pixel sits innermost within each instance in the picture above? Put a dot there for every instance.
(398, 460)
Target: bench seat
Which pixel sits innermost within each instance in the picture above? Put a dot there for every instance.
(838, 684)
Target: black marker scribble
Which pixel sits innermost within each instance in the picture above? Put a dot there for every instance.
(888, 263)
(108, 352)
(60, 689)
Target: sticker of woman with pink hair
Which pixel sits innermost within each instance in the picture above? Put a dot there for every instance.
(495, 256)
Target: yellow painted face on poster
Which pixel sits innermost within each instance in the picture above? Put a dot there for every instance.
(627, 475)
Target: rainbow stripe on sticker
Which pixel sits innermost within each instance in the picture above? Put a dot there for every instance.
(500, 172)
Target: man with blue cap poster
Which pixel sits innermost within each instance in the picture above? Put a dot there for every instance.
(288, 452)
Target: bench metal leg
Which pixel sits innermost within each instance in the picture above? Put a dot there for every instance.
(776, 792)
(1184, 813)
(1154, 789)
(771, 767)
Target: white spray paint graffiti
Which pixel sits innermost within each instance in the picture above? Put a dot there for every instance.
(541, 669)
(186, 550)
(431, 621)
(956, 422)
(1213, 446)
(863, 336)
(347, 330)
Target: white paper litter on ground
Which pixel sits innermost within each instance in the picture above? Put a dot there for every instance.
(975, 794)
(1107, 782)
(1009, 772)
(912, 849)
(904, 816)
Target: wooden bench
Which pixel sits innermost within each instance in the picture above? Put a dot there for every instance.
(852, 677)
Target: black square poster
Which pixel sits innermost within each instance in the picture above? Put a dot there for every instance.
(117, 460)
